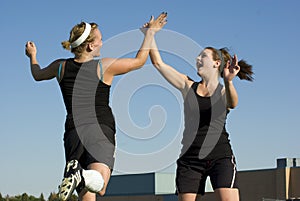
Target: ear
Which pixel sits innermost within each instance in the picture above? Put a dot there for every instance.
(90, 47)
(217, 64)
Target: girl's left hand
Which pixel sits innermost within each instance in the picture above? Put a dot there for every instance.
(155, 24)
(231, 69)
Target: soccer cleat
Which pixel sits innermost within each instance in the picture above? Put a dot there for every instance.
(72, 179)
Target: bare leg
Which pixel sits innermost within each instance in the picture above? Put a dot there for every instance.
(188, 197)
(227, 194)
(86, 196)
(105, 172)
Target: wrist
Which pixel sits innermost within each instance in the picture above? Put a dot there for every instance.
(227, 82)
(151, 31)
(33, 59)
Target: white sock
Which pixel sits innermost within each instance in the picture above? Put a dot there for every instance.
(93, 180)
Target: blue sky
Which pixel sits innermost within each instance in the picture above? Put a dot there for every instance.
(264, 126)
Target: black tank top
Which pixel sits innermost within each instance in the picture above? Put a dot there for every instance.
(205, 135)
(86, 97)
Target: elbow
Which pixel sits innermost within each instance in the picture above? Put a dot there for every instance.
(137, 64)
(232, 105)
(157, 64)
(36, 77)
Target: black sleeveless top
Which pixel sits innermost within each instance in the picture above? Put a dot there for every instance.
(86, 97)
(205, 135)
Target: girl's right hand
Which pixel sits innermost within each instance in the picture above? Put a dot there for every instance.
(30, 49)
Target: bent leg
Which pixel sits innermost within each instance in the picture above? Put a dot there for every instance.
(105, 172)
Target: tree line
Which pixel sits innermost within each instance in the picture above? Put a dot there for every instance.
(26, 197)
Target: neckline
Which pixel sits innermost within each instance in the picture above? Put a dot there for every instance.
(207, 97)
(81, 63)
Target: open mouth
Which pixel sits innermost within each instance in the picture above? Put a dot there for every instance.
(199, 65)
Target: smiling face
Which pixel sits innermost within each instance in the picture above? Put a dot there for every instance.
(205, 63)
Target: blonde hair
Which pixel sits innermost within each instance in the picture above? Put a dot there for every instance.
(75, 33)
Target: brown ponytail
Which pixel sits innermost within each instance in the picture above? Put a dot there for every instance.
(245, 72)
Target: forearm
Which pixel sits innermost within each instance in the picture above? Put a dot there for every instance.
(39, 73)
(143, 53)
(174, 77)
(35, 67)
(155, 55)
(231, 94)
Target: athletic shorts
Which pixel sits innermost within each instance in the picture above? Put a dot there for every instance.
(90, 143)
(191, 175)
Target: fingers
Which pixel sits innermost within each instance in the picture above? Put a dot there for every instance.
(30, 44)
(30, 48)
(235, 59)
(162, 16)
(160, 19)
(155, 24)
(228, 64)
(151, 18)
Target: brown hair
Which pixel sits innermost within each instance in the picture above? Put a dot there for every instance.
(75, 33)
(245, 72)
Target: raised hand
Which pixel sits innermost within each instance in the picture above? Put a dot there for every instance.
(155, 24)
(30, 49)
(231, 69)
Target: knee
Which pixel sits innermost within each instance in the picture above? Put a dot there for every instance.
(102, 192)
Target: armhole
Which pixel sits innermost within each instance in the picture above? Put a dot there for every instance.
(194, 85)
(101, 70)
(60, 68)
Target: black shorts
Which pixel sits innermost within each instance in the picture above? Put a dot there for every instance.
(191, 175)
(89, 144)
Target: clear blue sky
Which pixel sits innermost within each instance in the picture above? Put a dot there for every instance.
(264, 126)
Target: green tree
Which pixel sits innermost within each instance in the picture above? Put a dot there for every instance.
(53, 197)
(42, 197)
(24, 197)
(33, 198)
(15, 198)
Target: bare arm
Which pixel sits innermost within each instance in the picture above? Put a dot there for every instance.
(177, 79)
(231, 95)
(124, 65)
(230, 71)
(37, 72)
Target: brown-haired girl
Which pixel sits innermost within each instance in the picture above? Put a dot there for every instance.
(206, 150)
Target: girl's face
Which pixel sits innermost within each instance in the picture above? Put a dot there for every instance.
(96, 45)
(205, 62)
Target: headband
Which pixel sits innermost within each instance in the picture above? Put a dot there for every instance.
(83, 37)
(222, 60)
